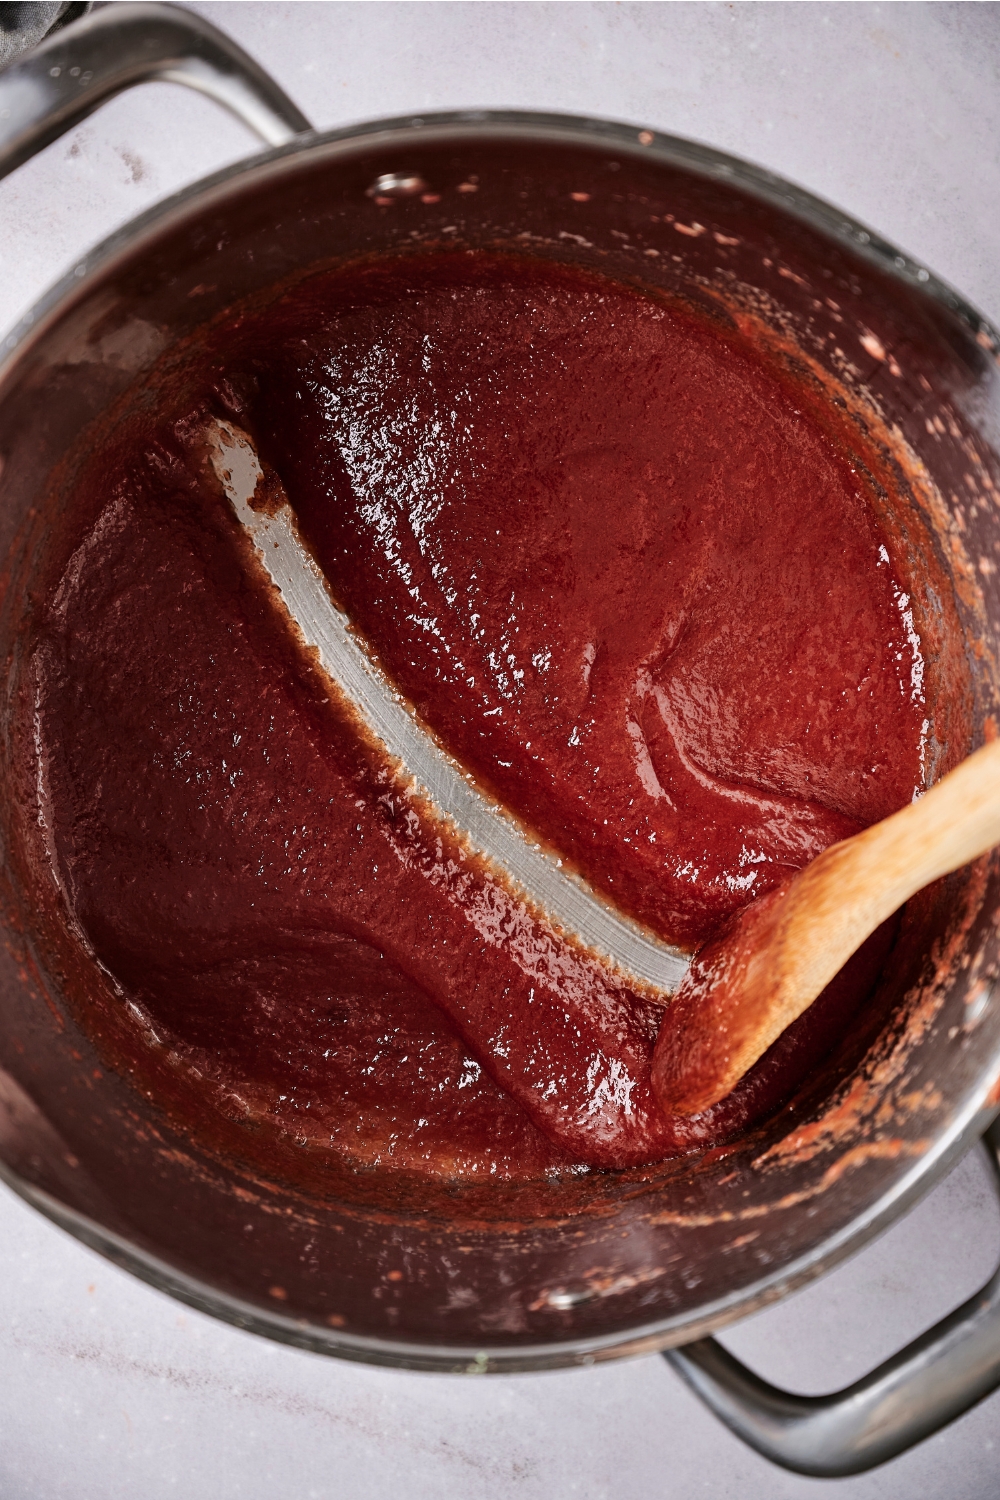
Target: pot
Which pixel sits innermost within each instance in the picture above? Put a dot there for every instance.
(617, 1263)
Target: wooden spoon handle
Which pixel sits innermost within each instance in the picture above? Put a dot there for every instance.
(745, 988)
(854, 886)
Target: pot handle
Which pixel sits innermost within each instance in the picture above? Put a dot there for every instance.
(56, 85)
(929, 1383)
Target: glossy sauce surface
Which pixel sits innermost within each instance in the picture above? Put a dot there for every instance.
(620, 571)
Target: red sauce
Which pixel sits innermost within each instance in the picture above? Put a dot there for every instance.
(624, 574)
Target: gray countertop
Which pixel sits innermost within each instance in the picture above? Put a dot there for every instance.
(110, 1391)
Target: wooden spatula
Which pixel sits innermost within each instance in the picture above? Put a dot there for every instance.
(744, 988)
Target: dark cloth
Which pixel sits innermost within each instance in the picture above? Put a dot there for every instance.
(24, 23)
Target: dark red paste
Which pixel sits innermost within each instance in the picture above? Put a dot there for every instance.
(628, 579)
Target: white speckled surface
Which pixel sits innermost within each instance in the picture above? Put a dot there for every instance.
(109, 1391)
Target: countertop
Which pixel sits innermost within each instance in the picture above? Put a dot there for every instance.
(111, 1391)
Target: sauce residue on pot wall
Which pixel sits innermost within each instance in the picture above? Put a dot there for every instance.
(620, 569)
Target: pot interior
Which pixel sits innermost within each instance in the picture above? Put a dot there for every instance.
(378, 1267)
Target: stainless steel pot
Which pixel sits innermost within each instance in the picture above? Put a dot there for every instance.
(624, 1262)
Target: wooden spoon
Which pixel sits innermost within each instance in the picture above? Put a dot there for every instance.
(770, 963)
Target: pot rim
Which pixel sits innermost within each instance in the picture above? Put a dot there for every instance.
(672, 150)
(978, 1109)
(555, 1354)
